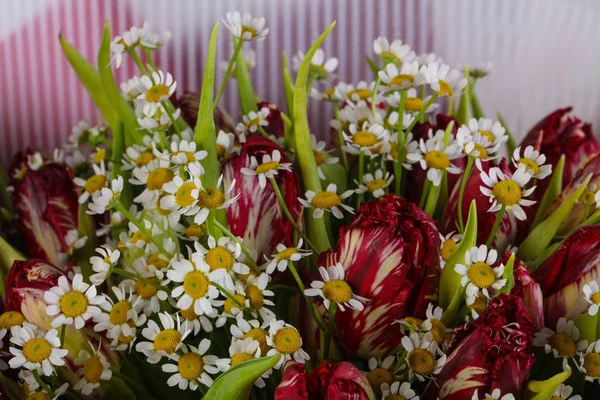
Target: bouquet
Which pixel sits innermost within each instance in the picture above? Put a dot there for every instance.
(392, 254)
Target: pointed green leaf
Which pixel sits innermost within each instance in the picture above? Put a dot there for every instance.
(288, 87)
(236, 383)
(510, 143)
(464, 107)
(247, 96)
(587, 325)
(545, 389)
(476, 106)
(335, 173)
(541, 236)
(552, 192)
(316, 229)
(508, 275)
(533, 265)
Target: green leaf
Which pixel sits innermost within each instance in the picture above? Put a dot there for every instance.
(552, 192)
(236, 383)
(117, 388)
(476, 106)
(8, 255)
(462, 115)
(316, 229)
(510, 143)
(545, 389)
(288, 88)
(450, 287)
(247, 96)
(508, 275)
(87, 227)
(587, 325)
(533, 265)
(541, 236)
(90, 78)
(124, 111)
(373, 66)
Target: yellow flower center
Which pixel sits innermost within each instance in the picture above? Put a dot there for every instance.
(260, 335)
(402, 80)
(363, 94)
(240, 358)
(481, 151)
(557, 398)
(364, 139)
(414, 321)
(244, 277)
(157, 92)
(158, 177)
(563, 344)
(256, 297)
(287, 340)
(445, 88)
(266, 167)
(219, 257)
(438, 331)
(448, 248)
(481, 275)
(379, 376)
(190, 366)
(337, 291)
(196, 284)
(211, 198)
(230, 304)
(92, 369)
(37, 350)
(591, 364)
(189, 313)
(100, 155)
(319, 159)
(595, 298)
(127, 339)
(326, 199)
(10, 319)
(437, 159)
(488, 135)
(139, 236)
(73, 304)
(507, 192)
(188, 156)
(193, 230)
(167, 341)
(220, 151)
(95, 183)
(118, 313)
(144, 158)
(287, 253)
(422, 362)
(157, 261)
(376, 184)
(413, 104)
(480, 304)
(587, 197)
(146, 290)
(328, 94)
(159, 209)
(248, 29)
(184, 196)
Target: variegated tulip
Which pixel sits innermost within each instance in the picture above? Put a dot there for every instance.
(256, 216)
(529, 290)
(390, 254)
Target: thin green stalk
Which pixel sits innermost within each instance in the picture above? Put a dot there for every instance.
(420, 114)
(127, 274)
(336, 114)
(62, 335)
(308, 301)
(289, 216)
(139, 63)
(400, 143)
(426, 189)
(400, 359)
(361, 166)
(461, 192)
(246, 252)
(496, 226)
(167, 108)
(328, 334)
(228, 295)
(123, 210)
(149, 60)
(238, 48)
(264, 133)
(374, 96)
(311, 82)
(42, 383)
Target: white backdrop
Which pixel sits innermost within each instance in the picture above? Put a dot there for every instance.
(545, 52)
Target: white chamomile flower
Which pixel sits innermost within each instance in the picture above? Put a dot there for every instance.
(319, 67)
(413, 103)
(359, 94)
(268, 168)
(245, 27)
(533, 160)
(327, 200)
(103, 263)
(424, 358)
(334, 289)
(194, 367)
(223, 255)
(375, 184)
(429, 58)
(234, 304)
(245, 350)
(124, 44)
(185, 153)
(154, 118)
(443, 81)
(75, 303)
(147, 289)
(407, 77)
(563, 343)
(153, 41)
(398, 391)
(257, 296)
(507, 193)
(481, 138)
(495, 395)
(434, 325)
(43, 394)
(589, 362)
(94, 183)
(592, 295)
(76, 160)
(448, 245)
(286, 254)
(481, 70)
(130, 88)
(249, 58)
(395, 53)
(435, 157)
(156, 90)
(36, 351)
(321, 156)
(35, 161)
(285, 340)
(252, 122)
(411, 146)
(252, 329)
(380, 371)
(564, 392)
(197, 323)
(106, 198)
(73, 241)
(478, 274)
(163, 342)
(225, 145)
(94, 368)
(182, 195)
(325, 95)
(217, 198)
(370, 139)
(8, 319)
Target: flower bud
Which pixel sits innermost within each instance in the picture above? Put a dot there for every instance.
(528, 290)
(189, 102)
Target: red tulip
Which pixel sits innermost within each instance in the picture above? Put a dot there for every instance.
(341, 381)
(390, 253)
(529, 291)
(274, 119)
(562, 133)
(563, 275)
(46, 209)
(189, 102)
(492, 352)
(256, 216)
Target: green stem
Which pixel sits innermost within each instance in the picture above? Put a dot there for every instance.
(328, 334)
(311, 82)
(495, 227)
(461, 192)
(361, 166)
(308, 301)
(374, 96)
(236, 51)
(149, 60)
(127, 274)
(400, 360)
(127, 380)
(138, 62)
(246, 252)
(400, 143)
(229, 295)
(167, 108)
(264, 133)
(420, 114)
(289, 216)
(336, 113)
(426, 189)
(123, 210)
(42, 383)
(62, 336)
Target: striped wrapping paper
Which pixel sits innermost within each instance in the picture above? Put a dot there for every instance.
(544, 52)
